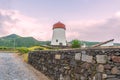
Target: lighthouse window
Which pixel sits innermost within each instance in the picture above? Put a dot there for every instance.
(56, 40)
(60, 44)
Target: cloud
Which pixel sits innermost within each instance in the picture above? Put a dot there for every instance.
(95, 30)
(118, 14)
(12, 21)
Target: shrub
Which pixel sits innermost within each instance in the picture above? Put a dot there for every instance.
(76, 44)
(23, 50)
(39, 49)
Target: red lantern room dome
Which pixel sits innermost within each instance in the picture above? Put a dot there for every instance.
(59, 25)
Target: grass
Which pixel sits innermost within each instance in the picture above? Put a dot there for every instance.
(25, 57)
(23, 51)
(37, 48)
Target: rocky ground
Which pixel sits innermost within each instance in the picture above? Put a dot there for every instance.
(13, 68)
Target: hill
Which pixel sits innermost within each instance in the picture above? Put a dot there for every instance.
(14, 40)
(11, 36)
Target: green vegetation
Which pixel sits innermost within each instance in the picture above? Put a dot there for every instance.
(25, 57)
(45, 43)
(14, 40)
(76, 44)
(34, 48)
(23, 50)
(6, 49)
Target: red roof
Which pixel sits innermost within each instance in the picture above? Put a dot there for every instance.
(59, 25)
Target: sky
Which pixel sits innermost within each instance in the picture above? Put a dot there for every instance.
(88, 20)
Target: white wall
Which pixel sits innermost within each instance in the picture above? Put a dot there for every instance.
(58, 34)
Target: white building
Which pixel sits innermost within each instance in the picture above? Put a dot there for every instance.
(58, 37)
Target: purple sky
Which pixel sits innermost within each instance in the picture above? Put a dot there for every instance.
(89, 20)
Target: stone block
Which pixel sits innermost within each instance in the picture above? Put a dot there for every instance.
(57, 56)
(100, 68)
(67, 77)
(101, 58)
(86, 66)
(107, 66)
(118, 76)
(87, 58)
(104, 76)
(111, 76)
(98, 76)
(116, 59)
(77, 76)
(77, 56)
(62, 56)
(73, 63)
(82, 78)
(61, 77)
(83, 52)
(112, 79)
(115, 70)
(66, 67)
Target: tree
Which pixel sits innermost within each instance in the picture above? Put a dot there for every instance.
(76, 43)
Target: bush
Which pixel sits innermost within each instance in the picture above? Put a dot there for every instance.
(23, 50)
(6, 49)
(39, 49)
(76, 44)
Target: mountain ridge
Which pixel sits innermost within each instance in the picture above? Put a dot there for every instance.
(12, 36)
(14, 40)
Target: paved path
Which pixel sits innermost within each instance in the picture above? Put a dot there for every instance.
(13, 68)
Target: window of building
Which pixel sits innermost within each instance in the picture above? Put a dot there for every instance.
(60, 44)
(56, 40)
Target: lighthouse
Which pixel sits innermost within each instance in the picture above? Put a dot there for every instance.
(58, 37)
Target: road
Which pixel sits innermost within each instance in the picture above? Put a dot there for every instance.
(13, 68)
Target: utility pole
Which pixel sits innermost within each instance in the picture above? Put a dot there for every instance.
(14, 44)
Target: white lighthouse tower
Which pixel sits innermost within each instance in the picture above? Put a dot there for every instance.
(58, 37)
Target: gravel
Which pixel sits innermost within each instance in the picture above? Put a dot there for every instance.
(13, 68)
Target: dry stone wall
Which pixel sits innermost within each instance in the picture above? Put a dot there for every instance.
(78, 64)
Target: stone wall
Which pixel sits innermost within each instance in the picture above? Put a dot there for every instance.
(78, 64)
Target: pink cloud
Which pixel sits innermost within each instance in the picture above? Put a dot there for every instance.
(95, 30)
(23, 25)
(13, 21)
(117, 14)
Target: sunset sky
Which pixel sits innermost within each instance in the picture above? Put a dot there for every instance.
(88, 20)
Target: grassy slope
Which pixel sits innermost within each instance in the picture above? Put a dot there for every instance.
(14, 40)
